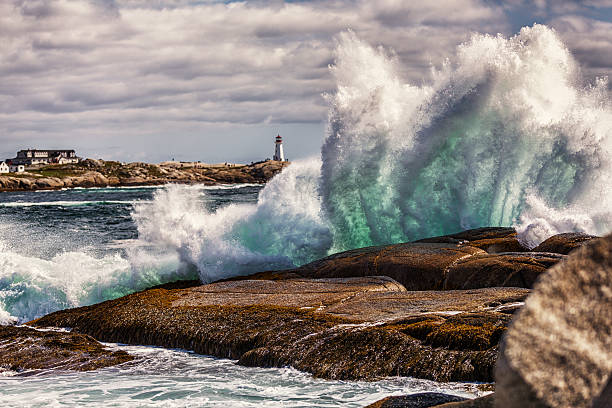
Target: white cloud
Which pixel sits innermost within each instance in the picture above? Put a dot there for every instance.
(78, 69)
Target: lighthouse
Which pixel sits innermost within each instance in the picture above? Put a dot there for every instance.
(278, 149)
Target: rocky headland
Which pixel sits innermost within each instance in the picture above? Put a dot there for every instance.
(434, 309)
(100, 173)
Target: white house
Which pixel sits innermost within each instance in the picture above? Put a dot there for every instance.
(36, 156)
(4, 168)
(17, 168)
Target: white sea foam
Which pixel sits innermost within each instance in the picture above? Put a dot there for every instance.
(283, 229)
(175, 378)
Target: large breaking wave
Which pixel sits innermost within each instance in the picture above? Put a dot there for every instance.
(505, 133)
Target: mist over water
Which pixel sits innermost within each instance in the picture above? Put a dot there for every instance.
(505, 133)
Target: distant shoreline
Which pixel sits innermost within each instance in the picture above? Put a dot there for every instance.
(100, 173)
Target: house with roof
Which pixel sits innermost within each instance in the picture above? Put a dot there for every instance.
(4, 168)
(30, 157)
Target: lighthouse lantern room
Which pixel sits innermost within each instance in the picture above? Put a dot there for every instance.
(278, 149)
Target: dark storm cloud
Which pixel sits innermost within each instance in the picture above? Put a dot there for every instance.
(117, 68)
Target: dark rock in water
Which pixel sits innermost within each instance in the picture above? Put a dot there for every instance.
(564, 243)
(490, 239)
(421, 400)
(352, 328)
(516, 269)
(558, 351)
(417, 266)
(604, 400)
(24, 348)
(487, 401)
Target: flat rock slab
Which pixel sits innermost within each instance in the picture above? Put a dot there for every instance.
(307, 293)
(24, 348)
(373, 299)
(353, 328)
(388, 306)
(558, 351)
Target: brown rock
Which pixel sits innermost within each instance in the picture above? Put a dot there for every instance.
(558, 351)
(487, 401)
(564, 243)
(24, 348)
(512, 269)
(353, 328)
(490, 239)
(421, 400)
(49, 183)
(417, 266)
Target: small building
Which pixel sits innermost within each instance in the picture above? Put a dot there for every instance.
(17, 168)
(4, 168)
(278, 149)
(30, 157)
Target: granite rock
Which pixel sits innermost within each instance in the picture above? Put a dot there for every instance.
(558, 351)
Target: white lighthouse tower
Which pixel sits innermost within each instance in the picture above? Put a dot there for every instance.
(278, 149)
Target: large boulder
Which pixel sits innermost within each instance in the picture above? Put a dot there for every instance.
(491, 239)
(510, 269)
(558, 352)
(417, 266)
(564, 243)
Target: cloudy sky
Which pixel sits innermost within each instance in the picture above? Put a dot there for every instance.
(215, 81)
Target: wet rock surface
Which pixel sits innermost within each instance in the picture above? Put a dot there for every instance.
(490, 239)
(558, 351)
(424, 400)
(24, 349)
(421, 400)
(511, 269)
(433, 265)
(487, 401)
(351, 328)
(564, 243)
(417, 266)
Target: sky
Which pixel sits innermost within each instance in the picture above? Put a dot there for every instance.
(155, 80)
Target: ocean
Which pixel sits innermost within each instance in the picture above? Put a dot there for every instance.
(74, 247)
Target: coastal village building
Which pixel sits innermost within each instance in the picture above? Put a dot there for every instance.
(35, 156)
(278, 149)
(4, 168)
(17, 168)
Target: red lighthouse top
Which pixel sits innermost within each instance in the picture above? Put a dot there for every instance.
(279, 139)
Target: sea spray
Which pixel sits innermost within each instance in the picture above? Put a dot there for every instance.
(504, 120)
(284, 229)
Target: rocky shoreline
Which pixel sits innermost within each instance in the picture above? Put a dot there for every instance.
(99, 173)
(434, 309)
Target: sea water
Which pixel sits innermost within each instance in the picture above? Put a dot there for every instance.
(176, 378)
